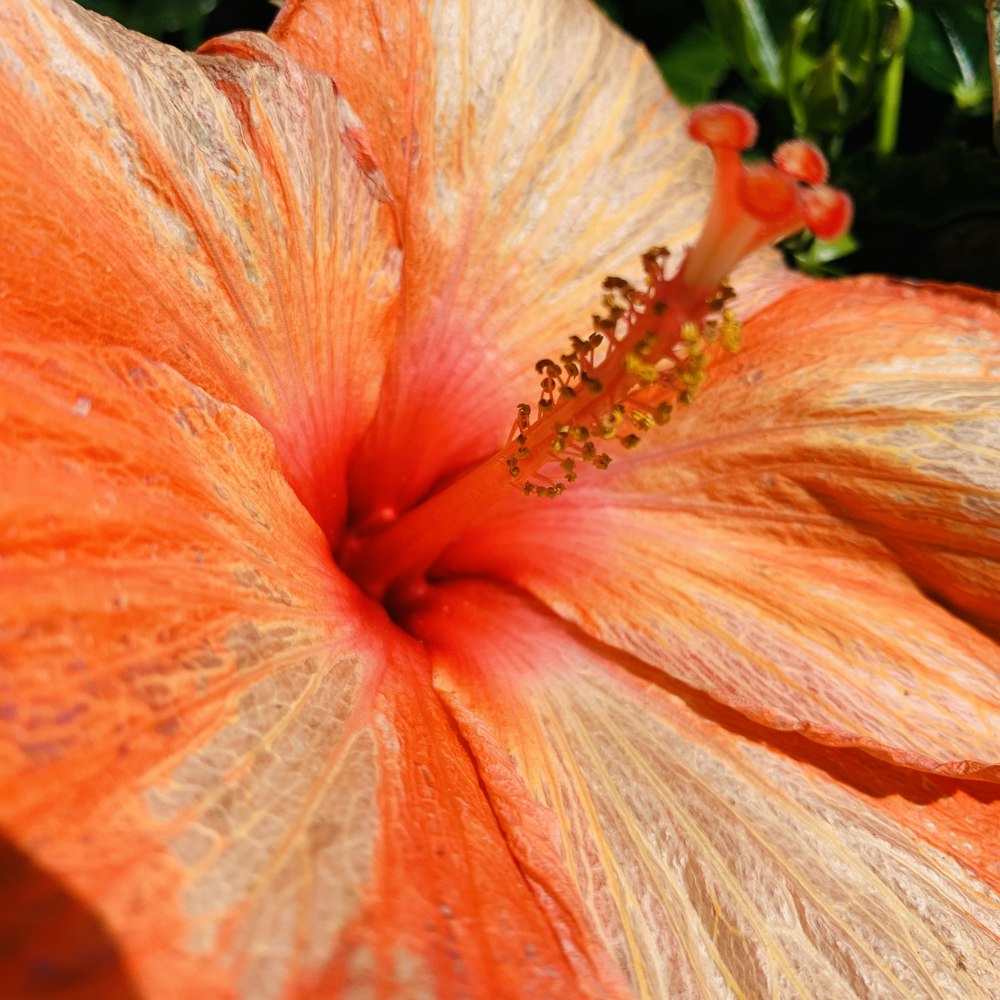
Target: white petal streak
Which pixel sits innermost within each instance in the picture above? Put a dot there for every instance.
(759, 879)
(711, 865)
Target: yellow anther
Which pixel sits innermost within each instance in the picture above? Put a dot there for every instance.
(607, 426)
(657, 343)
(642, 370)
(693, 379)
(724, 294)
(614, 284)
(695, 363)
(690, 334)
(645, 346)
(730, 331)
(653, 261)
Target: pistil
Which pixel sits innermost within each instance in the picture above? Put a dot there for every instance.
(648, 352)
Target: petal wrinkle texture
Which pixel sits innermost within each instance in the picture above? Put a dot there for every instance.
(178, 658)
(258, 789)
(815, 542)
(452, 911)
(530, 149)
(720, 723)
(207, 211)
(711, 864)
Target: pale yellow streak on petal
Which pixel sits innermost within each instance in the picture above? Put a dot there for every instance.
(795, 542)
(711, 865)
(532, 149)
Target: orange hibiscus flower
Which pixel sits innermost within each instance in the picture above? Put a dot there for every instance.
(720, 721)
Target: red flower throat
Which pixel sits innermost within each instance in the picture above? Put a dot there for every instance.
(649, 351)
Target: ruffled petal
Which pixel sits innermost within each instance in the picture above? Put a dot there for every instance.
(792, 542)
(531, 150)
(210, 737)
(178, 657)
(711, 863)
(208, 211)
(468, 896)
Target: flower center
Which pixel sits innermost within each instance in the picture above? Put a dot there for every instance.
(649, 351)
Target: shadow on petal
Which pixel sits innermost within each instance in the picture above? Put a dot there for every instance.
(51, 943)
(851, 766)
(953, 814)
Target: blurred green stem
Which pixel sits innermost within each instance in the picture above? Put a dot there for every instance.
(887, 126)
(993, 35)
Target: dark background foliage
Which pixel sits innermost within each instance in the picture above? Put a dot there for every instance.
(897, 92)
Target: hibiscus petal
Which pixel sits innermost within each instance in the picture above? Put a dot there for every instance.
(469, 898)
(40, 918)
(531, 149)
(214, 739)
(207, 211)
(710, 863)
(781, 544)
(169, 615)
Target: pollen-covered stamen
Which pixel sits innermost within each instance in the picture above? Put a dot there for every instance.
(650, 351)
(655, 346)
(753, 206)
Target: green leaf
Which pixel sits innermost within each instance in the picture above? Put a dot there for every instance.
(695, 64)
(748, 29)
(155, 19)
(949, 52)
(837, 56)
(818, 257)
(993, 36)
